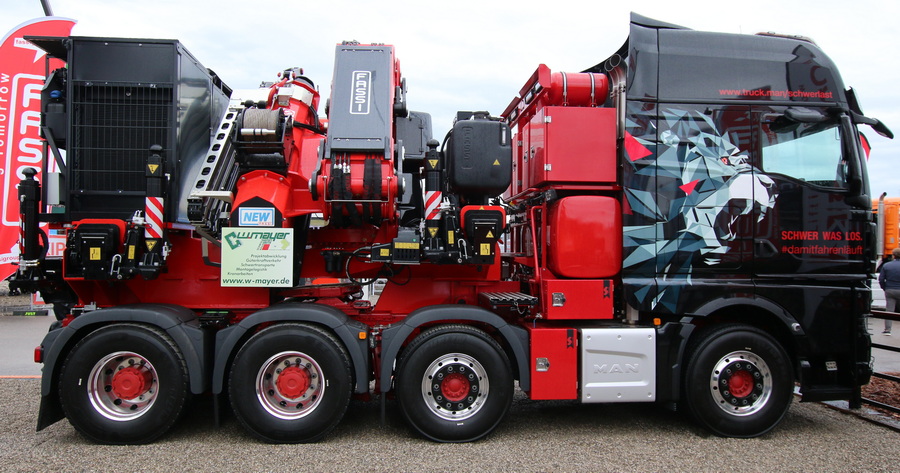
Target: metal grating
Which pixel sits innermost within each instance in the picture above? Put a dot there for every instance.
(112, 130)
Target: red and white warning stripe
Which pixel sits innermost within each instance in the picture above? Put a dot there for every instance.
(432, 204)
(153, 209)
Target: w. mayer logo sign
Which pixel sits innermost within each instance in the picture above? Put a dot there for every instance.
(23, 68)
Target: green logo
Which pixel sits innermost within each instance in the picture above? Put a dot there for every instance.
(234, 238)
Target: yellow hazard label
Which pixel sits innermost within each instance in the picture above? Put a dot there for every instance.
(95, 254)
(406, 246)
(433, 232)
(496, 162)
(153, 168)
(151, 244)
(131, 251)
(485, 249)
(433, 163)
(490, 234)
(385, 252)
(451, 240)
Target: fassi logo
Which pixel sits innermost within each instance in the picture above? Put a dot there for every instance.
(23, 67)
(362, 85)
(20, 143)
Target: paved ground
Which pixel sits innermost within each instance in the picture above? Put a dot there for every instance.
(885, 361)
(18, 337)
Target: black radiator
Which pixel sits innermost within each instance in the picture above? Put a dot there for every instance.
(118, 97)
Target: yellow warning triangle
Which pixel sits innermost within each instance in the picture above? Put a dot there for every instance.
(433, 232)
(433, 162)
(153, 168)
(490, 234)
(496, 162)
(151, 244)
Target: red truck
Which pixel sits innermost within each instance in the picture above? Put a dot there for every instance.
(686, 223)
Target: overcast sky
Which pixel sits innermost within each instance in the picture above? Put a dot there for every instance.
(476, 54)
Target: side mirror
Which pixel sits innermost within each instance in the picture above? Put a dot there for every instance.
(856, 114)
(875, 123)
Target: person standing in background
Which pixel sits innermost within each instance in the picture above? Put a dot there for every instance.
(889, 280)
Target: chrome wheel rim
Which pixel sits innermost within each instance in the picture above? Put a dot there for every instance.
(123, 386)
(455, 386)
(741, 383)
(289, 385)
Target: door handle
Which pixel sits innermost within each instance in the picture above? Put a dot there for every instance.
(764, 249)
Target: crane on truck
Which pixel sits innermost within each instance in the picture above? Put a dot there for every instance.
(685, 223)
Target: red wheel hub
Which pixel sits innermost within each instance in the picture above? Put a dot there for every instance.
(292, 382)
(740, 384)
(455, 387)
(131, 382)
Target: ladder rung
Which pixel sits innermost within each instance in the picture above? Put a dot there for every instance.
(508, 298)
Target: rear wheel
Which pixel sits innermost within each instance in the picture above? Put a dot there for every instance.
(124, 384)
(739, 381)
(290, 383)
(454, 383)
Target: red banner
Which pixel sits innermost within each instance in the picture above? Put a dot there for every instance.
(23, 69)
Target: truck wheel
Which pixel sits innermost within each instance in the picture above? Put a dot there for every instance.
(290, 383)
(124, 384)
(738, 382)
(454, 383)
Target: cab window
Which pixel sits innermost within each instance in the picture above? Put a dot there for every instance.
(809, 152)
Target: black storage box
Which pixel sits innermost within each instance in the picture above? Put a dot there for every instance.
(480, 157)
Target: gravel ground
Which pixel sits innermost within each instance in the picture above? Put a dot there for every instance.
(536, 436)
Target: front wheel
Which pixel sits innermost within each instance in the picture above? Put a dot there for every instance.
(124, 384)
(290, 383)
(738, 382)
(454, 383)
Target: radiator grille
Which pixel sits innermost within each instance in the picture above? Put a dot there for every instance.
(112, 130)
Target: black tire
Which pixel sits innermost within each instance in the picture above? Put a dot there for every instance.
(739, 381)
(124, 384)
(475, 388)
(302, 374)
